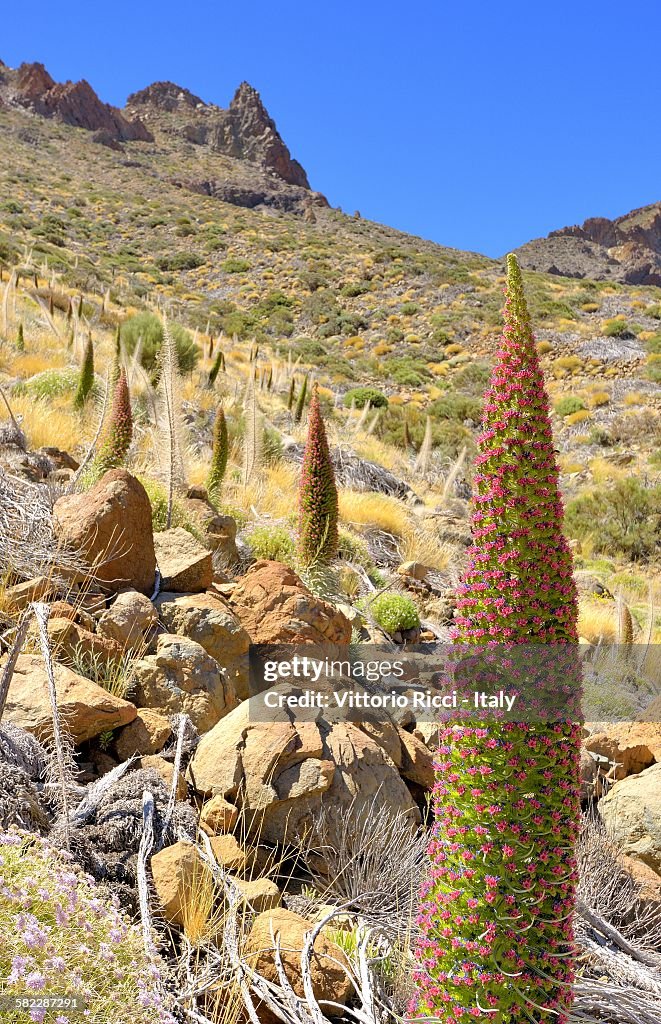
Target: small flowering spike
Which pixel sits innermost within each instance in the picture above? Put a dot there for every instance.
(119, 431)
(218, 365)
(86, 378)
(317, 495)
(291, 394)
(496, 938)
(300, 404)
(219, 455)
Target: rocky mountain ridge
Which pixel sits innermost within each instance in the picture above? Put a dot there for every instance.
(244, 130)
(169, 116)
(75, 103)
(626, 249)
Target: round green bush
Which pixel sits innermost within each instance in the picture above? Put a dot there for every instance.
(393, 612)
(180, 261)
(456, 407)
(274, 543)
(622, 519)
(616, 329)
(49, 384)
(235, 265)
(64, 935)
(148, 329)
(360, 397)
(567, 405)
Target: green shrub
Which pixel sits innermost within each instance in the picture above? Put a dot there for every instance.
(456, 407)
(180, 261)
(624, 519)
(360, 397)
(234, 265)
(653, 372)
(354, 288)
(272, 542)
(392, 612)
(616, 329)
(407, 372)
(148, 329)
(568, 404)
(62, 934)
(472, 378)
(49, 384)
(309, 349)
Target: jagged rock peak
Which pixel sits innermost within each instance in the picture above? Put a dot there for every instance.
(166, 96)
(247, 94)
(257, 136)
(75, 103)
(244, 130)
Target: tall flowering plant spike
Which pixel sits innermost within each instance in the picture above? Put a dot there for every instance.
(119, 431)
(317, 494)
(86, 377)
(496, 938)
(519, 584)
(219, 454)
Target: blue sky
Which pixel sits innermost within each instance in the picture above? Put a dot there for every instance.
(477, 124)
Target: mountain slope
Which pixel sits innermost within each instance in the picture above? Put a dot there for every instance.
(237, 254)
(627, 249)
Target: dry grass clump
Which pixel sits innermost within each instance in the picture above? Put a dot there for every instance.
(51, 423)
(371, 509)
(30, 363)
(597, 621)
(421, 544)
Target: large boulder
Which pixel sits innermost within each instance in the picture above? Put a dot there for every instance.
(218, 816)
(274, 606)
(218, 531)
(128, 619)
(182, 677)
(232, 855)
(179, 872)
(632, 746)
(69, 640)
(184, 564)
(632, 814)
(260, 893)
(146, 734)
(417, 760)
(86, 709)
(209, 621)
(328, 964)
(110, 526)
(281, 773)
